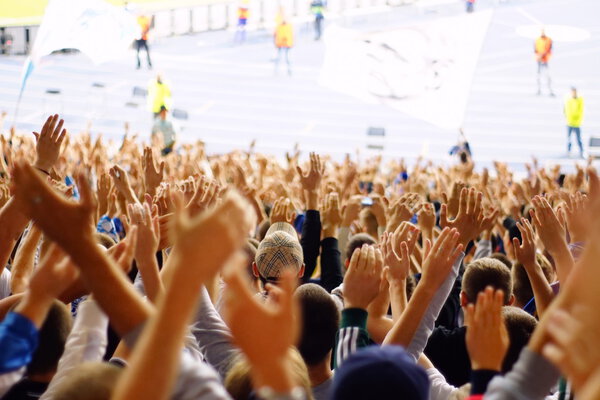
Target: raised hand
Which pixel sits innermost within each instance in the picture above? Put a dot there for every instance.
(311, 181)
(548, 226)
(205, 196)
(487, 338)
(426, 220)
(402, 210)
(453, 201)
(283, 211)
(48, 143)
(576, 215)
(397, 263)
(263, 331)
(331, 215)
(121, 182)
(573, 343)
(64, 221)
(148, 231)
(212, 233)
(152, 176)
(103, 194)
(350, 211)
(525, 251)
(440, 257)
(470, 220)
(363, 278)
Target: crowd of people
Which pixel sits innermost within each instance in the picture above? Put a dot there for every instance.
(144, 274)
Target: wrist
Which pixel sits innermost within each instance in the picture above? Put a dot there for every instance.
(42, 166)
(34, 306)
(330, 231)
(312, 199)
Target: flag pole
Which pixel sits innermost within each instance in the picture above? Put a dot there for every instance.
(27, 68)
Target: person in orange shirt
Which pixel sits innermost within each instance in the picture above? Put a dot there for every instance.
(284, 41)
(543, 52)
(145, 24)
(240, 34)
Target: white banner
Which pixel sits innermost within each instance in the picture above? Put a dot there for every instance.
(423, 70)
(98, 29)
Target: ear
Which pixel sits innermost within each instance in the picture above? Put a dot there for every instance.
(301, 272)
(255, 270)
(463, 299)
(511, 300)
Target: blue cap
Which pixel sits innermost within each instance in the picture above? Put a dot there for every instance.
(380, 373)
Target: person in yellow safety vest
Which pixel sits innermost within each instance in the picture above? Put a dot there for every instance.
(141, 42)
(159, 95)
(574, 115)
(543, 52)
(284, 41)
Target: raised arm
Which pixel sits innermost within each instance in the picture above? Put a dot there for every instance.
(525, 254)
(203, 245)
(100, 273)
(311, 230)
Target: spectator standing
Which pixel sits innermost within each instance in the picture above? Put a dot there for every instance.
(240, 34)
(159, 95)
(284, 40)
(470, 6)
(317, 7)
(145, 24)
(543, 52)
(164, 125)
(574, 114)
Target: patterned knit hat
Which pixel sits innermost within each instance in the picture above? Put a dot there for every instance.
(278, 250)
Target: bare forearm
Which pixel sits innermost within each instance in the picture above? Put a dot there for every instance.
(542, 292)
(398, 298)
(115, 294)
(148, 268)
(563, 261)
(23, 265)
(13, 222)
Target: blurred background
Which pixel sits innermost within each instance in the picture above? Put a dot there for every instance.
(398, 78)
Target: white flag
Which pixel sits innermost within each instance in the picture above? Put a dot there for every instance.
(98, 29)
(424, 70)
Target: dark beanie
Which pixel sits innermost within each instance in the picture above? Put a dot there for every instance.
(380, 373)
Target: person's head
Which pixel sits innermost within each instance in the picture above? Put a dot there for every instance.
(522, 285)
(543, 33)
(520, 326)
(52, 338)
(163, 112)
(356, 242)
(238, 381)
(380, 373)
(503, 259)
(89, 381)
(159, 78)
(279, 250)
(368, 221)
(320, 321)
(574, 92)
(482, 273)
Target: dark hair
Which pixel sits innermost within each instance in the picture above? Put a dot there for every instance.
(320, 322)
(52, 337)
(356, 241)
(262, 230)
(520, 326)
(250, 251)
(522, 285)
(463, 157)
(483, 273)
(503, 259)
